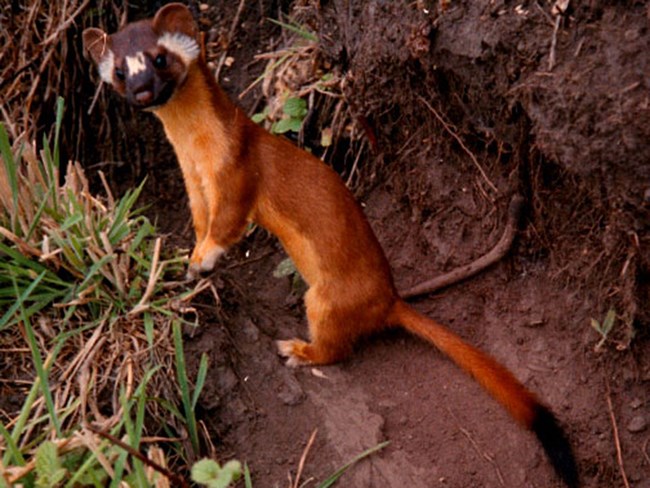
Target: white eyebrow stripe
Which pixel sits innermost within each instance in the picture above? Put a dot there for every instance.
(106, 67)
(135, 64)
(180, 44)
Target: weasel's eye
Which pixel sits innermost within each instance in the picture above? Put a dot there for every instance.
(160, 61)
(120, 74)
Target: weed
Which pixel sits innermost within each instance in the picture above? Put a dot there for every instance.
(209, 473)
(299, 83)
(294, 111)
(604, 328)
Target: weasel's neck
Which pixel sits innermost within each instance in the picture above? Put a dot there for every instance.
(199, 108)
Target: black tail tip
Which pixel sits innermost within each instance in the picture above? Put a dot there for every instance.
(556, 445)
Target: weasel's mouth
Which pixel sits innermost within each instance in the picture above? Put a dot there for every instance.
(150, 100)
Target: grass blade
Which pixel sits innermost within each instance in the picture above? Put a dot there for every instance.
(181, 373)
(301, 31)
(200, 379)
(334, 477)
(40, 370)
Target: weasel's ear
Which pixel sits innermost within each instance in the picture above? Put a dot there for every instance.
(175, 17)
(96, 43)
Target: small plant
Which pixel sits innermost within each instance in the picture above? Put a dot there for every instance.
(209, 473)
(294, 112)
(49, 469)
(604, 328)
(287, 268)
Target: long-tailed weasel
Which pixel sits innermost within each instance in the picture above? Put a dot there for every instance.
(236, 172)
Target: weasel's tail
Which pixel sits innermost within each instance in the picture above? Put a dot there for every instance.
(500, 383)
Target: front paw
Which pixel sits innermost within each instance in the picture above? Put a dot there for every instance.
(204, 258)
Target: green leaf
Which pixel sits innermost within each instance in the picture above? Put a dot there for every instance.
(205, 471)
(208, 472)
(261, 116)
(608, 323)
(248, 482)
(284, 268)
(200, 379)
(233, 469)
(183, 381)
(295, 107)
(49, 470)
(596, 325)
(285, 125)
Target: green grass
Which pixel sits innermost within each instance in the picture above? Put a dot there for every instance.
(89, 298)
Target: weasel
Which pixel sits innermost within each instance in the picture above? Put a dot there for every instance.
(235, 172)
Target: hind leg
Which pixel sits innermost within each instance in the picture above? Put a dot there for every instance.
(332, 329)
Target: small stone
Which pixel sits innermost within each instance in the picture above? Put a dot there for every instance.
(251, 331)
(636, 403)
(637, 424)
(291, 393)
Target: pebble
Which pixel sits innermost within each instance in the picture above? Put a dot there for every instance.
(636, 403)
(291, 393)
(637, 424)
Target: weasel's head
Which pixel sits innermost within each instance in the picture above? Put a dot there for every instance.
(147, 61)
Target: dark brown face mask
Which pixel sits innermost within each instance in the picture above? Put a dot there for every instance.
(147, 60)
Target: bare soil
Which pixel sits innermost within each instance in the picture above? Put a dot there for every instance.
(570, 135)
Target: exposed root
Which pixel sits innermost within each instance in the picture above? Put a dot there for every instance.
(494, 255)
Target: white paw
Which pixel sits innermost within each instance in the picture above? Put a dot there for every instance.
(285, 348)
(193, 272)
(210, 259)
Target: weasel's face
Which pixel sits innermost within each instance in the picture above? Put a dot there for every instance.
(148, 60)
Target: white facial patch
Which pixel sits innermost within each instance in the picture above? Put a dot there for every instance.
(106, 67)
(181, 45)
(135, 64)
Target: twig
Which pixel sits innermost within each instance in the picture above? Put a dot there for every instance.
(551, 56)
(460, 141)
(303, 458)
(617, 442)
(471, 269)
(64, 25)
(154, 274)
(644, 450)
(231, 33)
(173, 477)
(484, 455)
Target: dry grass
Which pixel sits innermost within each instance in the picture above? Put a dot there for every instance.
(34, 59)
(297, 68)
(90, 309)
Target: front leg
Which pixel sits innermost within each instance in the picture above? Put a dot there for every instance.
(228, 202)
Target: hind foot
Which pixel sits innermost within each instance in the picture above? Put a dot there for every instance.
(293, 350)
(300, 353)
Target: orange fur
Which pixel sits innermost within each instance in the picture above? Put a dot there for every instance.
(236, 172)
(244, 173)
